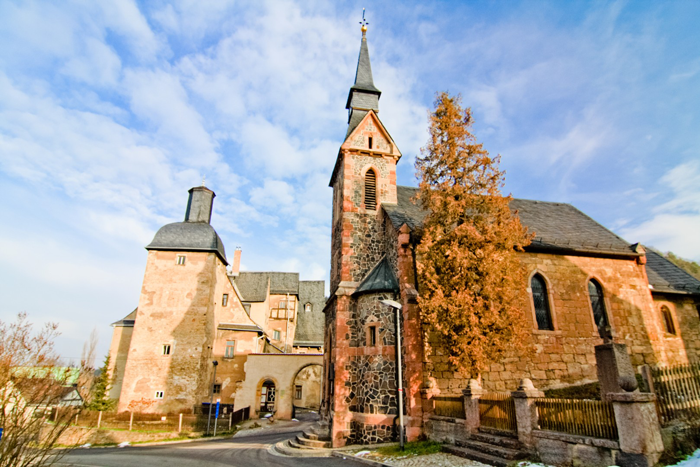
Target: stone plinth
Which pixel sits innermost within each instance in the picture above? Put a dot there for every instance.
(615, 372)
(638, 428)
(471, 405)
(526, 411)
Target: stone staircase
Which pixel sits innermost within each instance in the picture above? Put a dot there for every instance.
(489, 446)
(315, 441)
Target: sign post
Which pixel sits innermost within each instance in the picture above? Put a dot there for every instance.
(216, 417)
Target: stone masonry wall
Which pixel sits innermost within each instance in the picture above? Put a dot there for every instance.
(566, 355)
(684, 346)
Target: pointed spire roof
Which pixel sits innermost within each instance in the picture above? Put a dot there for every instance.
(363, 94)
(380, 279)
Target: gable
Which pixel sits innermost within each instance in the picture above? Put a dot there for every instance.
(371, 127)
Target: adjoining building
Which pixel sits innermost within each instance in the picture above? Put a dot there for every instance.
(584, 283)
(194, 311)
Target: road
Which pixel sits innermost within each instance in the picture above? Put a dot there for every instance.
(250, 451)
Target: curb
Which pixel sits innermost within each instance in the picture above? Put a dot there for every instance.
(343, 455)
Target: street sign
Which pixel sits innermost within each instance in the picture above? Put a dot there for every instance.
(217, 409)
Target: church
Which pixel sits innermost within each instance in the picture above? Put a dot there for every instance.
(584, 283)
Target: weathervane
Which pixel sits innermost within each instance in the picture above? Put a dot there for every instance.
(364, 23)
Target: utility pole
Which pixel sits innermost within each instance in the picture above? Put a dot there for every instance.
(399, 371)
(211, 401)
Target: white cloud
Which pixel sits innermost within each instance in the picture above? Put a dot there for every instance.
(273, 194)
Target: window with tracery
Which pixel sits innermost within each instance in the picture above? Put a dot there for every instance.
(600, 316)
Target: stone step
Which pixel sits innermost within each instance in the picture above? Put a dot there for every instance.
(308, 434)
(493, 450)
(497, 432)
(504, 441)
(312, 443)
(476, 456)
(284, 448)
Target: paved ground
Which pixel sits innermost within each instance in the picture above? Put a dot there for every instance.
(247, 451)
(441, 459)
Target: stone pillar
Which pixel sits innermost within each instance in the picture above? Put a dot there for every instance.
(638, 429)
(471, 405)
(525, 410)
(615, 372)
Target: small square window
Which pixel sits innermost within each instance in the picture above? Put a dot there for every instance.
(166, 349)
(276, 335)
(230, 349)
(297, 392)
(224, 300)
(181, 260)
(159, 395)
(217, 389)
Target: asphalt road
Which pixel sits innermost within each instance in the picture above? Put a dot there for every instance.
(248, 451)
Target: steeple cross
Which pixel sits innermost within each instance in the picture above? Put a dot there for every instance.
(364, 23)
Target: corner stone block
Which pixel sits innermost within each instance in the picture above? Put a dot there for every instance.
(526, 411)
(472, 394)
(638, 429)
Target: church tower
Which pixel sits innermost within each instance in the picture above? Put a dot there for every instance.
(360, 390)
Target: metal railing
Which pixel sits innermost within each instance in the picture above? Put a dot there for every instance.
(677, 391)
(449, 406)
(577, 417)
(497, 410)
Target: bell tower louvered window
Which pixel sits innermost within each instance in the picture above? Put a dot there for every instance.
(595, 292)
(540, 299)
(371, 190)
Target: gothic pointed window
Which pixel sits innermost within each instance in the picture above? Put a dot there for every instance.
(668, 320)
(600, 316)
(541, 302)
(371, 190)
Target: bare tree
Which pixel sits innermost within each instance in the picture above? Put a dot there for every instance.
(86, 378)
(31, 384)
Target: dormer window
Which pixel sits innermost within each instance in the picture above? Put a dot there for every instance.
(371, 190)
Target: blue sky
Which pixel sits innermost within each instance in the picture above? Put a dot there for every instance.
(110, 111)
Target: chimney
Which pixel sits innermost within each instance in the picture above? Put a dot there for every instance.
(199, 205)
(236, 266)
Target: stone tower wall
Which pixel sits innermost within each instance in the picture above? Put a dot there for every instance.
(177, 307)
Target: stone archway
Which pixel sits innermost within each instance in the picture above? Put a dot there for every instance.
(306, 390)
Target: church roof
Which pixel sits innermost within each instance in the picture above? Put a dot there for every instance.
(664, 276)
(253, 285)
(309, 330)
(188, 236)
(363, 75)
(558, 227)
(379, 279)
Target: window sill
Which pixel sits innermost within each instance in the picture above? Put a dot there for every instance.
(545, 332)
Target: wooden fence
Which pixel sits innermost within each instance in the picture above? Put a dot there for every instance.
(449, 406)
(151, 421)
(497, 410)
(577, 417)
(677, 392)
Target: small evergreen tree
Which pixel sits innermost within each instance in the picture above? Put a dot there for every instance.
(99, 399)
(472, 285)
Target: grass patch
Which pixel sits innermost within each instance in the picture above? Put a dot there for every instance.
(414, 448)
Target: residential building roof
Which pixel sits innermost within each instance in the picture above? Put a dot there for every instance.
(253, 285)
(309, 330)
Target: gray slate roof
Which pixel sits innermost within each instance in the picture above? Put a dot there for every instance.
(309, 330)
(253, 285)
(127, 321)
(557, 226)
(664, 276)
(380, 279)
(188, 236)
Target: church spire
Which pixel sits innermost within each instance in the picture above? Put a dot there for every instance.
(363, 94)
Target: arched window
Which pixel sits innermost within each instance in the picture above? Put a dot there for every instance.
(307, 308)
(541, 301)
(668, 320)
(600, 316)
(371, 190)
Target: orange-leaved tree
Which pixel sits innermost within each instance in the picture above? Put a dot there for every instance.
(472, 285)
